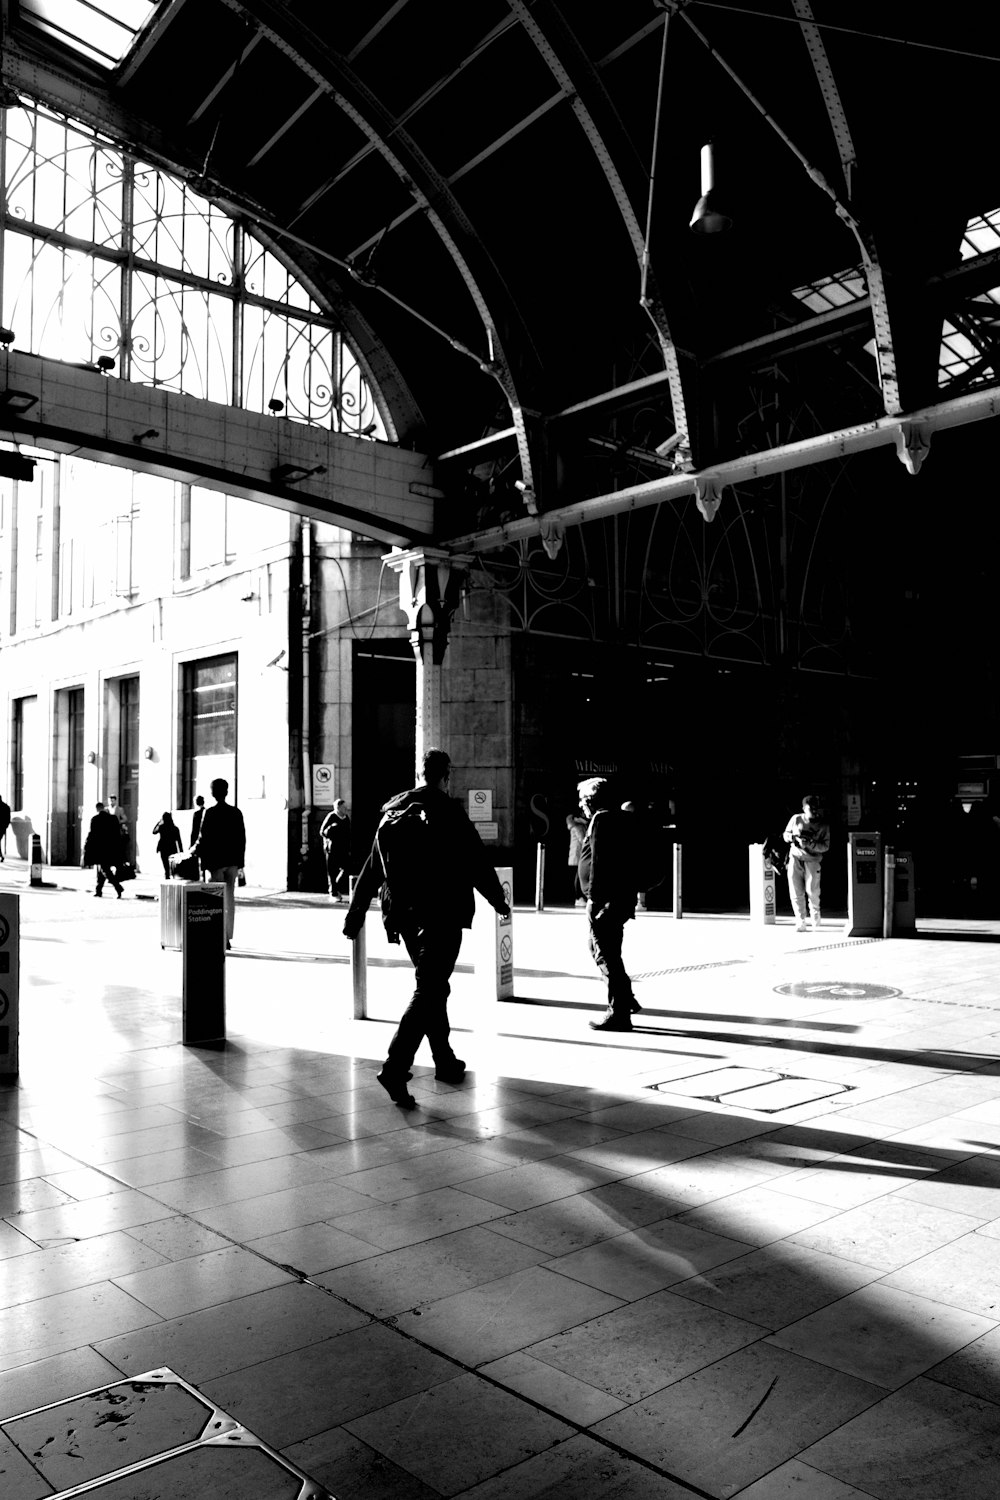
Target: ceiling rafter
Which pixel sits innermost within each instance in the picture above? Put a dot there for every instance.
(443, 212)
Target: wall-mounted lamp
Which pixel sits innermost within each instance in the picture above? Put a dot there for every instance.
(149, 752)
(7, 337)
(105, 363)
(708, 218)
(16, 466)
(275, 405)
(91, 757)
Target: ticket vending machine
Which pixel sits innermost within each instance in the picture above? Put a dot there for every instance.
(904, 905)
(762, 886)
(864, 885)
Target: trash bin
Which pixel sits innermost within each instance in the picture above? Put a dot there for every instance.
(172, 912)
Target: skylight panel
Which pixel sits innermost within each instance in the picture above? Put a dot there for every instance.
(832, 291)
(981, 234)
(101, 30)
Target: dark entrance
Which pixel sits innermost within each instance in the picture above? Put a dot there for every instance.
(385, 738)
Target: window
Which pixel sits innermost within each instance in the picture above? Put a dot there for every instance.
(27, 760)
(105, 254)
(207, 726)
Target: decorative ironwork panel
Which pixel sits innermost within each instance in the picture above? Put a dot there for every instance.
(182, 338)
(59, 177)
(63, 303)
(106, 255)
(176, 229)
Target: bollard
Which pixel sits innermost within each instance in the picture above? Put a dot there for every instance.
(10, 945)
(359, 968)
(35, 871)
(540, 878)
(888, 891)
(678, 905)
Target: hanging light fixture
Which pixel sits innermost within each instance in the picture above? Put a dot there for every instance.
(707, 217)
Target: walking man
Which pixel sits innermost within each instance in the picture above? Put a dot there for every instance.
(608, 865)
(809, 839)
(221, 846)
(103, 848)
(429, 861)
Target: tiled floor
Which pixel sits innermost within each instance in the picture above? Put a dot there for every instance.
(749, 1250)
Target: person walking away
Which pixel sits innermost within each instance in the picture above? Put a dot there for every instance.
(608, 863)
(103, 848)
(221, 847)
(4, 825)
(577, 826)
(168, 842)
(809, 839)
(429, 861)
(335, 832)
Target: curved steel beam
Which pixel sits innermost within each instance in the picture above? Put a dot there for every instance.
(884, 344)
(578, 80)
(342, 86)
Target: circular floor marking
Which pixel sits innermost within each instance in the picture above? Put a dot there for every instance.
(837, 989)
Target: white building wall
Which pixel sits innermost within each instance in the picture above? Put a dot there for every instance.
(240, 606)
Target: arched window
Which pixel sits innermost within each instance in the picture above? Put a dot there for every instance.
(107, 256)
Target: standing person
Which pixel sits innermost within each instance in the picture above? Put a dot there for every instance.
(336, 835)
(168, 842)
(103, 848)
(809, 839)
(608, 878)
(4, 825)
(429, 861)
(221, 846)
(577, 826)
(199, 813)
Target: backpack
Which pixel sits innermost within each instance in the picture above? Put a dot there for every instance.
(4, 817)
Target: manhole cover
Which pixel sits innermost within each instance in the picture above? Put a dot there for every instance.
(837, 989)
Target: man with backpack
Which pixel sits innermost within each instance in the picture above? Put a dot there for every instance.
(429, 861)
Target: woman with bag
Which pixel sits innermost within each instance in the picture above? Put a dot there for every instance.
(168, 842)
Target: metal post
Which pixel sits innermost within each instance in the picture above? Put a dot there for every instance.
(678, 906)
(888, 891)
(35, 867)
(540, 877)
(359, 968)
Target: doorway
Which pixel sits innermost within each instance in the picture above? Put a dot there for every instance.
(67, 770)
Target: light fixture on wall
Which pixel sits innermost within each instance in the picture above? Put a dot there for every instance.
(17, 400)
(149, 752)
(91, 757)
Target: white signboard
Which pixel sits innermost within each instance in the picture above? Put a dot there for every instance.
(324, 786)
(481, 806)
(489, 832)
(853, 810)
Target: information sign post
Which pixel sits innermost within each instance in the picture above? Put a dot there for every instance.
(762, 902)
(10, 950)
(495, 951)
(203, 958)
(864, 885)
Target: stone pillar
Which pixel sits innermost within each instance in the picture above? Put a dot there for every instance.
(430, 586)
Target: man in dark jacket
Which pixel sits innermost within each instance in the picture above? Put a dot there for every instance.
(335, 832)
(103, 848)
(608, 867)
(221, 847)
(429, 861)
